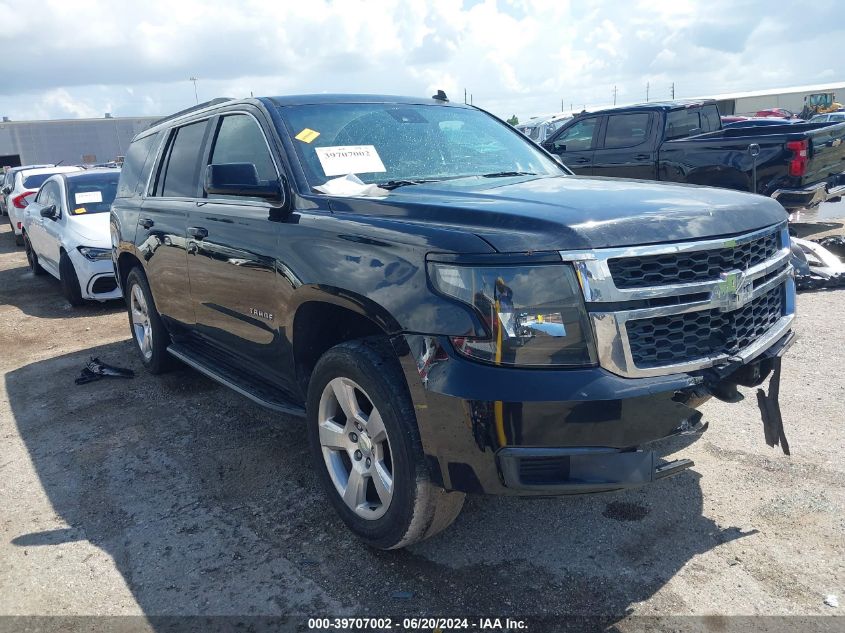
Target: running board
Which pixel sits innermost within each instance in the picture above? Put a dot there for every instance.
(259, 392)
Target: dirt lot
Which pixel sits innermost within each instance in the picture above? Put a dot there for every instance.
(171, 495)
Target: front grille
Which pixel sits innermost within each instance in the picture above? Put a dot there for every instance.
(681, 338)
(675, 268)
(103, 284)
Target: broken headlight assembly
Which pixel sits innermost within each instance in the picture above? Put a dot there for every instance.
(534, 314)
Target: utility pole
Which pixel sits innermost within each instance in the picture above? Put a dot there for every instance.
(614, 95)
(646, 91)
(673, 90)
(465, 96)
(194, 79)
(561, 105)
(470, 98)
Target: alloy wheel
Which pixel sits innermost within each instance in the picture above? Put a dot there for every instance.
(356, 448)
(141, 321)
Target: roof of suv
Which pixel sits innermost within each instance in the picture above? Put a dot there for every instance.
(295, 100)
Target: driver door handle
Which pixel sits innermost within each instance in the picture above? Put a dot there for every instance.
(581, 160)
(198, 232)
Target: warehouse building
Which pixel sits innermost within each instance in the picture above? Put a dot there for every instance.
(787, 98)
(68, 141)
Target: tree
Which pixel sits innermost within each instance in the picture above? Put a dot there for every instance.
(514, 120)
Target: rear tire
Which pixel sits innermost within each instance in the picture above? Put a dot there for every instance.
(18, 238)
(69, 281)
(148, 331)
(31, 257)
(361, 419)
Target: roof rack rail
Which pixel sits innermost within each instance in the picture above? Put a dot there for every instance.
(199, 106)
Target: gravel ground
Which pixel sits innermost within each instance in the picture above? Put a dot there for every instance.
(171, 495)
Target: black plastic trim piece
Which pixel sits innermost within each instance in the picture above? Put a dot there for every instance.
(236, 381)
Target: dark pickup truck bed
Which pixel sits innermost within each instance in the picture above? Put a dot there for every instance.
(800, 165)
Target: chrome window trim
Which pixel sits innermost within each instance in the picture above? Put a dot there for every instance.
(610, 327)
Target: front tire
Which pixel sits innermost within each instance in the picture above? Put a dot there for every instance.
(366, 448)
(69, 281)
(148, 331)
(32, 257)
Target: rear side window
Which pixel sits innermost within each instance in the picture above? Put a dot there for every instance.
(181, 173)
(626, 130)
(710, 119)
(35, 181)
(681, 123)
(240, 140)
(132, 175)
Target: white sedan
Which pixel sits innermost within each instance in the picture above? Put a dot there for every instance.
(66, 233)
(22, 190)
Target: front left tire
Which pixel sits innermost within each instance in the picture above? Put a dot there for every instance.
(69, 281)
(367, 451)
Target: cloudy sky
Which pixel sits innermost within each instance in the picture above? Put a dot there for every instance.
(82, 58)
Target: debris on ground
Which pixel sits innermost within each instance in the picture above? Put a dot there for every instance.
(95, 369)
(815, 266)
(831, 600)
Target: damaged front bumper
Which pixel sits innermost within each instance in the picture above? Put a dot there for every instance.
(524, 432)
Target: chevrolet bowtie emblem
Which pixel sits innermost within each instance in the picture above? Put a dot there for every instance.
(733, 291)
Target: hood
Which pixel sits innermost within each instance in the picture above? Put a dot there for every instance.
(91, 230)
(571, 212)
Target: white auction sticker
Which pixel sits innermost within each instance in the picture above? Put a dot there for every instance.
(89, 197)
(349, 159)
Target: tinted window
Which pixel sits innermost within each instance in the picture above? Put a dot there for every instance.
(240, 140)
(626, 130)
(35, 181)
(680, 123)
(91, 193)
(579, 137)
(50, 194)
(131, 181)
(710, 119)
(180, 178)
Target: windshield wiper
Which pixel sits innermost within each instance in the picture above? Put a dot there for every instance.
(402, 182)
(505, 174)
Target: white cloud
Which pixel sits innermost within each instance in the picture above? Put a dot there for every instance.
(523, 56)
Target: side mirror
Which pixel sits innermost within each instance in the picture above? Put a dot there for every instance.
(6, 190)
(50, 212)
(239, 179)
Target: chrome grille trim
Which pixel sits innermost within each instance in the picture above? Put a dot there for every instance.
(609, 327)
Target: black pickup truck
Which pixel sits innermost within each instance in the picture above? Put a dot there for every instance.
(462, 315)
(800, 165)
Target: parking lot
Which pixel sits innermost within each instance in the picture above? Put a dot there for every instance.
(172, 495)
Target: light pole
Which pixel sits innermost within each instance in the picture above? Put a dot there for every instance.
(194, 79)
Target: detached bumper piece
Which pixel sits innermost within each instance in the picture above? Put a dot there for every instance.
(581, 470)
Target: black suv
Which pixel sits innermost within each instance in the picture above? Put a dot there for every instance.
(448, 307)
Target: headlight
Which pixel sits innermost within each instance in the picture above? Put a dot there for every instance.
(535, 314)
(93, 254)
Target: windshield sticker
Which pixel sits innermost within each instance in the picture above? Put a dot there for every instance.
(88, 197)
(349, 159)
(307, 135)
(80, 211)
